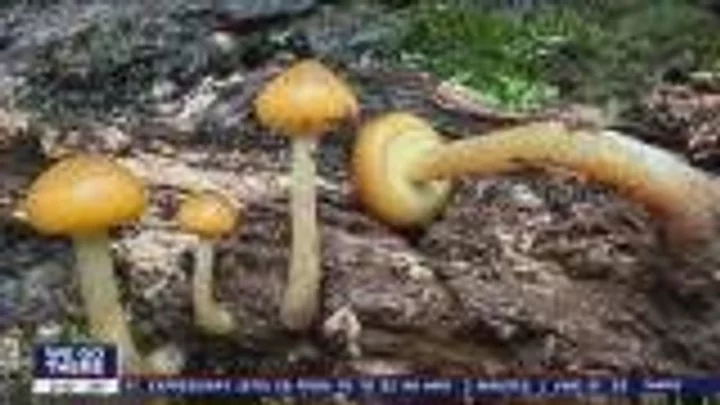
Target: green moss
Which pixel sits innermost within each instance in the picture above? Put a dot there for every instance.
(488, 51)
(522, 59)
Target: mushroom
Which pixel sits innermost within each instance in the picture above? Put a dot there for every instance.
(403, 169)
(83, 197)
(304, 102)
(208, 215)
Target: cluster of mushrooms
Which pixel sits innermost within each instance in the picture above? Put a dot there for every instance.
(402, 171)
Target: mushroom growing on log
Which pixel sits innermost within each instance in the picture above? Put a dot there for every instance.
(403, 169)
(304, 103)
(82, 197)
(210, 216)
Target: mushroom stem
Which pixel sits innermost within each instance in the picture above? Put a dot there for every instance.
(209, 315)
(101, 298)
(300, 302)
(664, 184)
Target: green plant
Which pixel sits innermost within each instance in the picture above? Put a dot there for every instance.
(490, 51)
(524, 58)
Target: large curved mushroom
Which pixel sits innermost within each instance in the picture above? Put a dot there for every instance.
(83, 197)
(208, 215)
(403, 169)
(304, 102)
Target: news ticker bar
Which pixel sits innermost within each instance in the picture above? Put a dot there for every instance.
(380, 386)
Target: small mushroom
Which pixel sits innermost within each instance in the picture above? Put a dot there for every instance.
(403, 169)
(210, 216)
(83, 197)
(304, 102)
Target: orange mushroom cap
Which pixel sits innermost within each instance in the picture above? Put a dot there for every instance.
(305, 101)
(386, 149)
(208, 215)
(84, 194)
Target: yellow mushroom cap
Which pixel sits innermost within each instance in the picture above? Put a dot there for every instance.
(84, 194)
(386, 149)
(305, 101)
(208, 215)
